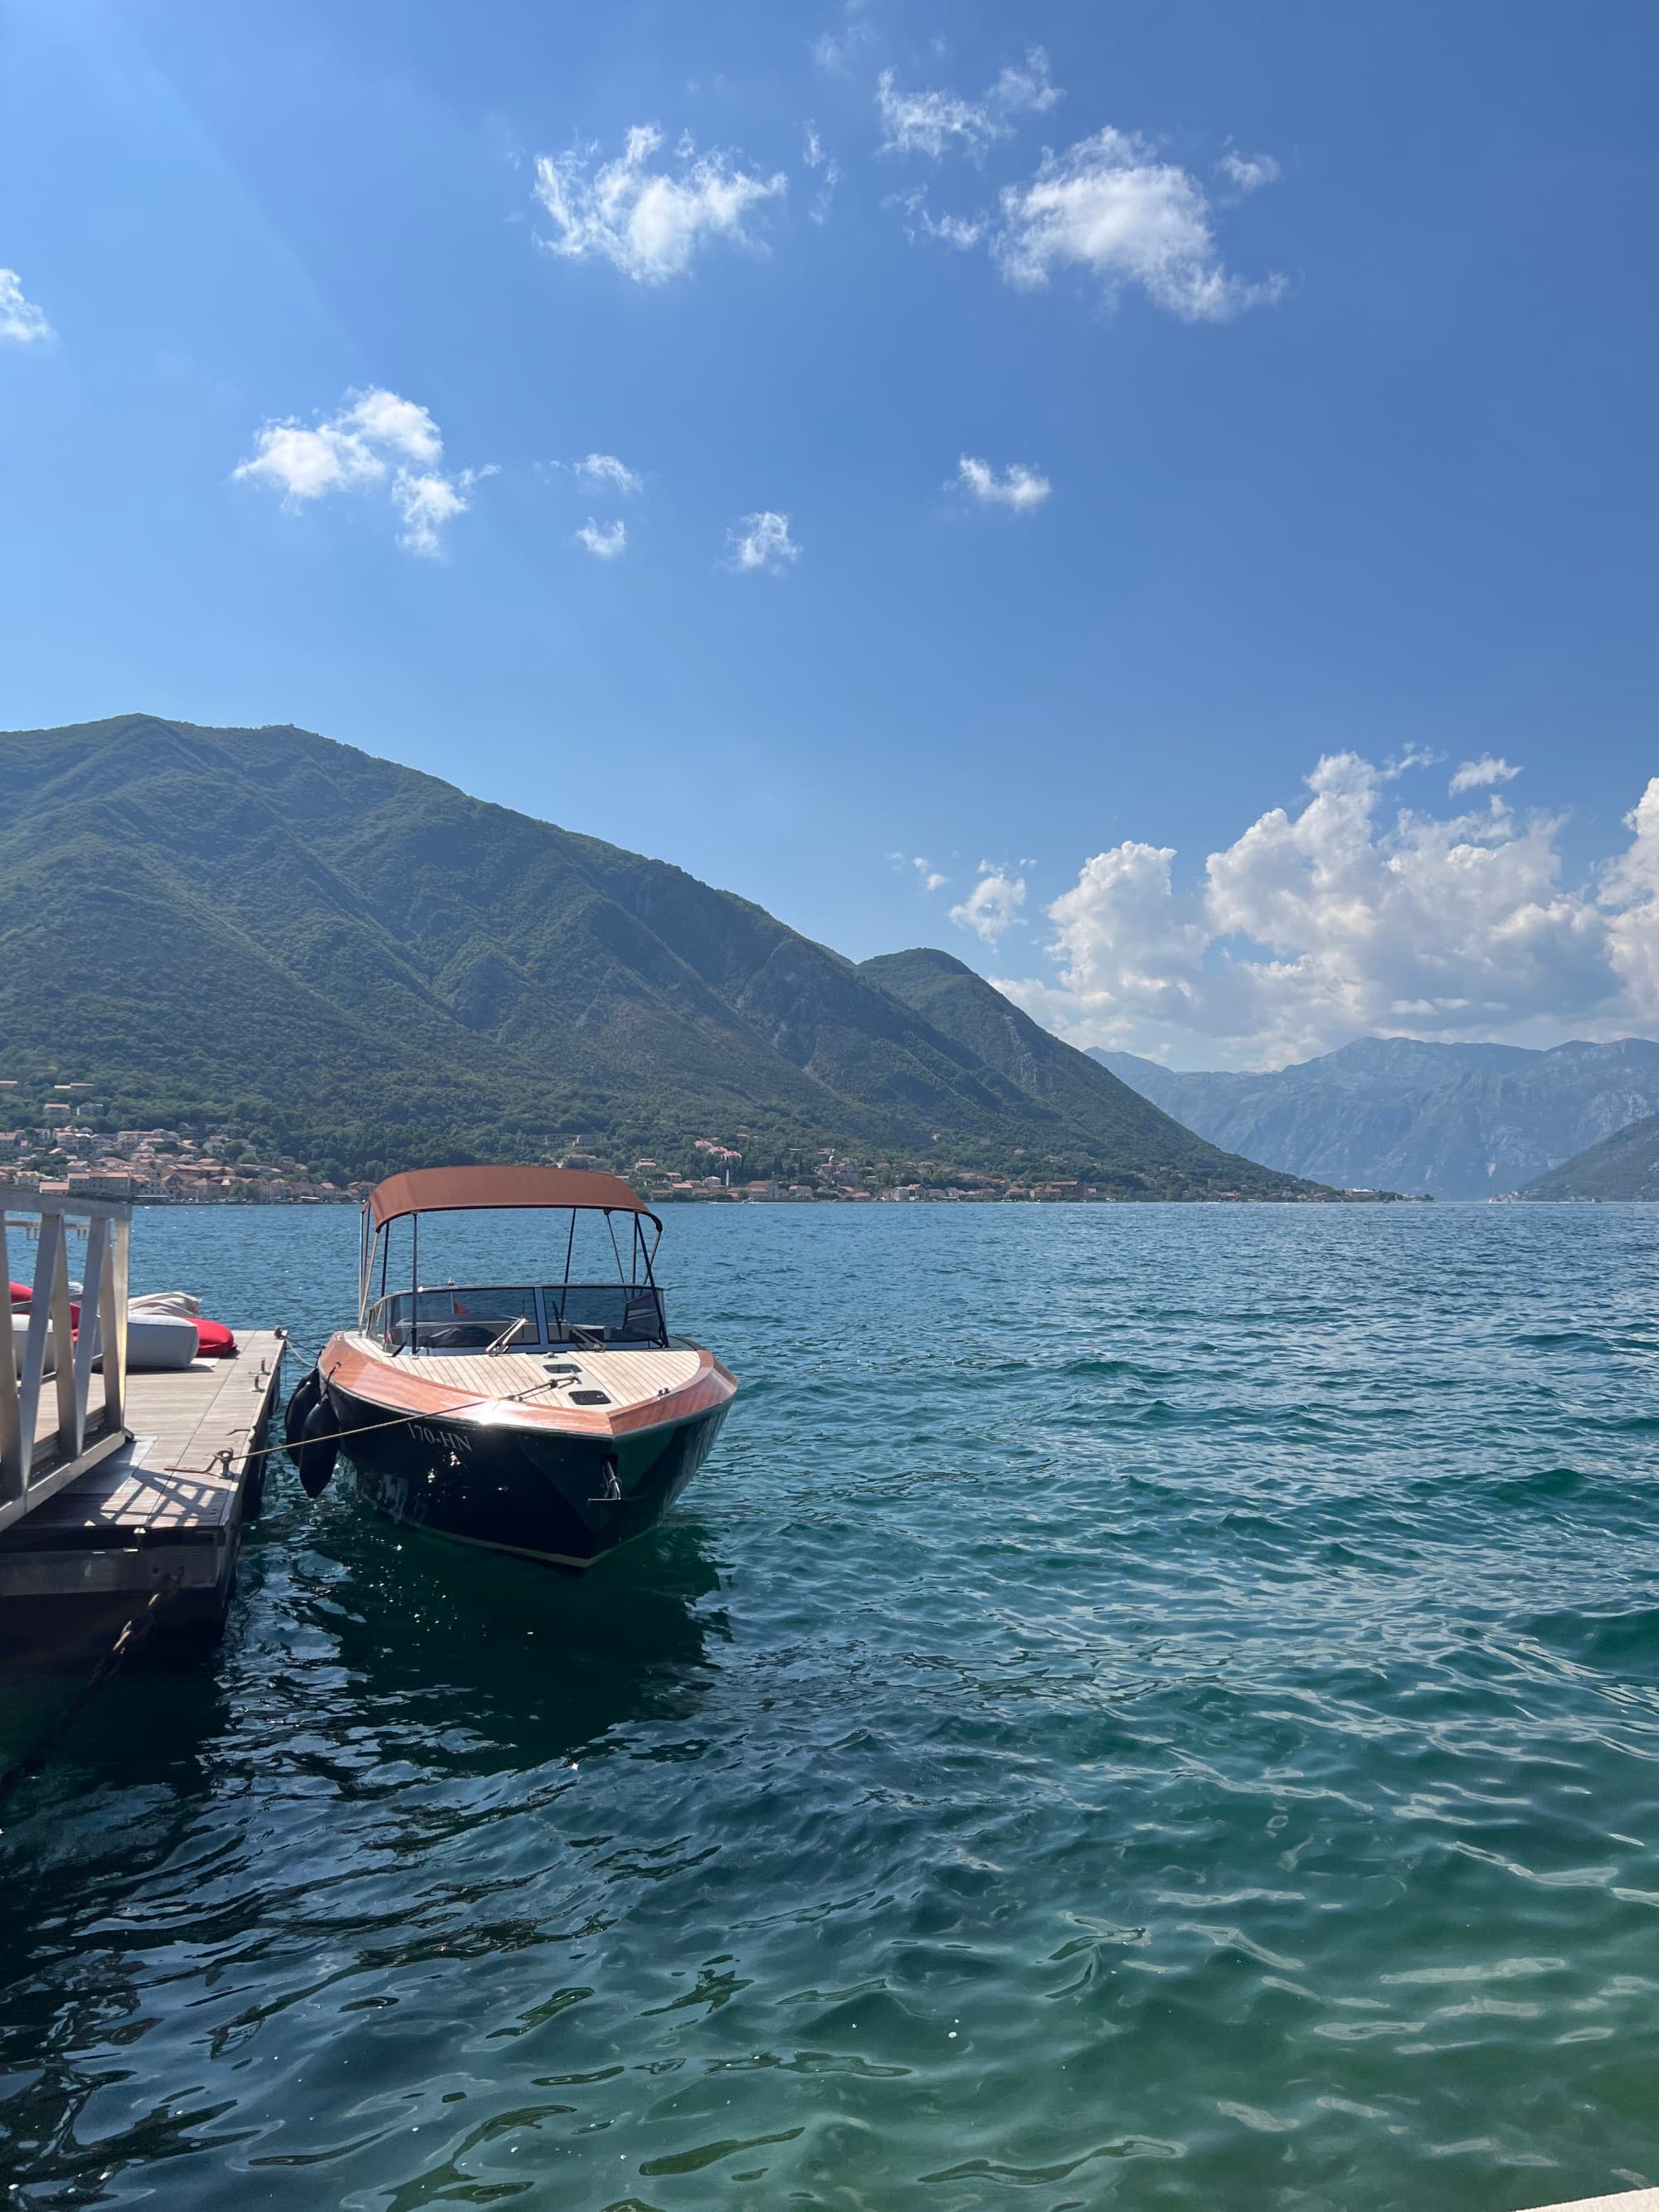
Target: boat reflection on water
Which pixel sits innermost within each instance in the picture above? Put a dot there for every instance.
(386, 1728)
(519, 1668)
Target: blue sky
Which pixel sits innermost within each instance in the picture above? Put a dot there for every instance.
(1308, 369)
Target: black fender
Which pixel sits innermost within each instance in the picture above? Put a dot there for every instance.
(310, 1434)
(305, 1394)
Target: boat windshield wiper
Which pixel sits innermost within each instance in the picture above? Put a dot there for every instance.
(500, 1343)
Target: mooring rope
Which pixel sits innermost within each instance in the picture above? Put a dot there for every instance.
(367, 1428)
(136, 1628)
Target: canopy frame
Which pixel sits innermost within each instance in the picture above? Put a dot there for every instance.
(485, 1189)
(498, 1189)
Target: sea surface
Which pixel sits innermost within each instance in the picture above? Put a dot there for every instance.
(1147, 1707)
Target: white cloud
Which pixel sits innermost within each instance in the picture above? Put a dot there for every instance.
(936, 123)
(605, 541)
(761, 541)
(376, 439)
(1476, 774)
(604, 472)
(929, 876)
(962, 232)
(381, 418)
(816, 158)
(349, 449)
(21, 323)
(928, 122)
(1339, 920)
(1026, 90)
(992, 908)
(1109, 206)
(427, 501)
(1630, 894)
(1016, 486)
(1402, 763)
(833, 51)
(1248, 172)
(648, 222)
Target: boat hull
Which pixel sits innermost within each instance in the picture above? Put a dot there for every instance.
(565, 1498)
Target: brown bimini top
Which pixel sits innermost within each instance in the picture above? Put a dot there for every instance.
(452, 1190)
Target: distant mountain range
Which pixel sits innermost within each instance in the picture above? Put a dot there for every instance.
(1455, 1121)
(366, 967)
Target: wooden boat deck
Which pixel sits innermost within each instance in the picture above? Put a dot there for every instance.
(168, 1505)
(628, 1378)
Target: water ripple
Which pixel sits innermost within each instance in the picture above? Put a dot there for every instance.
(1148, 1705)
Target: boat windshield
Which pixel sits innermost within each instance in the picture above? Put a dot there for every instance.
(604, 1312)
(473, 1317)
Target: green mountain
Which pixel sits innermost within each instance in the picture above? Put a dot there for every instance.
(365, 967)
(1623, 1165)
(962, 1007)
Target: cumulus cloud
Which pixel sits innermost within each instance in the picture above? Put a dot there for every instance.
(1109, 206)
(938, 123)
(648, 221)
(992, 908)
(1016, 486)
(426, 501)
(1477, 774)
(761, 541)
(604, 472)
(1248, 172)
(21, 323)
(605, 541)
(1630, 894)
(1344, 917)
(374, 439)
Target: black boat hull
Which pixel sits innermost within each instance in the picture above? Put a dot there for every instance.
(564, 1498)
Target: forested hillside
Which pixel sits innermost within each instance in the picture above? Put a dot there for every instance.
(367, 967)
(1625, 1165)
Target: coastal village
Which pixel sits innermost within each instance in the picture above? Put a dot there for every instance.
(68, 1153)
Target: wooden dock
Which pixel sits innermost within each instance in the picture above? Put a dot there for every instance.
(122, 1488)
(166, 1507)
(1635, 2200)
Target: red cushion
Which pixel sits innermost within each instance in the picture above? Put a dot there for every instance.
(214, 1340)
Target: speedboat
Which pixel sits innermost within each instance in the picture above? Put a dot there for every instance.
(556, 1419)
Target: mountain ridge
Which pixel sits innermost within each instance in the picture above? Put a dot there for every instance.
(362, 959)
(1454, 1121)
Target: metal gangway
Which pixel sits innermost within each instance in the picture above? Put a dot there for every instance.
(39, 1458)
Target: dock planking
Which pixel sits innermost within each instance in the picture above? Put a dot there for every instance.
(1635, 2200)
(166, 1509)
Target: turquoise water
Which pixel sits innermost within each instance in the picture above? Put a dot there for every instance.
(1147, 1707)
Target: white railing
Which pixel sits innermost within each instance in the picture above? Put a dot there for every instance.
(32, 1469)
